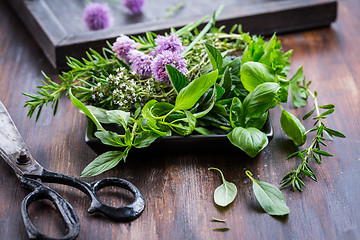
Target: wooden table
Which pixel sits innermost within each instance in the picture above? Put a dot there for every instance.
(178, 187)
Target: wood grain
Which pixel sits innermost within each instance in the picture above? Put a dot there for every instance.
(178, 187)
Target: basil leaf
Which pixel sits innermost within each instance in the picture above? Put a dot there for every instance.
(260, 100)
(257, 122)
(225, 193)
(144, 139)
(293, 128)
(215, 57)
(110, 138)
(250, 140)
(161, 108)
(190, 94)
(104, 162)
(254, 73)
(237, 115)
(83, 108)
(118, 116)
(178, 80)
(99, 113)
(269, 197)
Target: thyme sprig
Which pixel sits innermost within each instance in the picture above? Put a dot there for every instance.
(314, 152)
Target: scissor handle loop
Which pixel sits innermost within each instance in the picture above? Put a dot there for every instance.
(40, 191)
(126, 213)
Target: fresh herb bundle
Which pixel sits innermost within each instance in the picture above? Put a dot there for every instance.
(187, 82)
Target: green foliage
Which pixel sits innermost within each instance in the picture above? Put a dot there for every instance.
(269, 197)
(293, 128)
(225, 193)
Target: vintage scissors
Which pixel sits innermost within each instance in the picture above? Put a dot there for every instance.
(14, 151)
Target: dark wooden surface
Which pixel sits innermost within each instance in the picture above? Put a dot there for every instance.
(59, 29)
(178, 188)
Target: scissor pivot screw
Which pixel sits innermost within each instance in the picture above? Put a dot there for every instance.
(23, 158)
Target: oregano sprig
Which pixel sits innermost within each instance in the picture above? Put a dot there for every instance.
(314, 151)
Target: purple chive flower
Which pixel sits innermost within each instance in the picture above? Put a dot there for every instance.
(171, 43)
(97, 16)
(122, 47)
(140, 62)
(174, 59)
(135, 6)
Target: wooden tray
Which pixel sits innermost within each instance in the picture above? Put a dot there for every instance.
(58, 27)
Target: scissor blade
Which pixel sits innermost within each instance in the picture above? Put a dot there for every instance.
(12, 147)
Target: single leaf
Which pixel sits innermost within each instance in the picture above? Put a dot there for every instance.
(250, 140)
(260, 100)
(269, 197)
(218, 220)
(237, 115)
(293, 128)
(178, 80)
(104, 162)
(110, 138)
(225, 193)
(118, 116)
(215, 57)
(334, 133)
(328, 106)
(223, 229)
(144, 139)
(225, 82)
(190, 94)
(323, 153)
(254, 73)
(161, 108)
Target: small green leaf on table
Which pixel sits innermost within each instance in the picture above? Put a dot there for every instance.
(225, 193)
(270, 197)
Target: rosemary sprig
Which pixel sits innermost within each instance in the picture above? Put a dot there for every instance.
(313, 152)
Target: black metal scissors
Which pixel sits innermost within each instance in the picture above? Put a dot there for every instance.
(14, 151)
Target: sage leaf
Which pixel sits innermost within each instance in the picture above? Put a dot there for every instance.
(270, 197)
(118, 116)
(254, 73)
(260, 100)
(178, 80)
(104, 162)
(190, 94)
(110, 138)
(250, 140)
(225, 193)
(293, 128)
